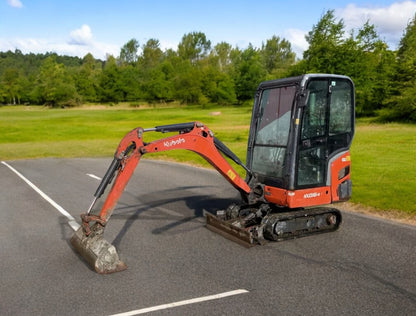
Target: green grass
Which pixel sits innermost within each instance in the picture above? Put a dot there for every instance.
(36, 132)
(384, 172)
(384, 169)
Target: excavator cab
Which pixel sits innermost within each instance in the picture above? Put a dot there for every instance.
(301, 132)
(297, 161)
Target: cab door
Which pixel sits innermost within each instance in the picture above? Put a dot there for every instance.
(326, 130)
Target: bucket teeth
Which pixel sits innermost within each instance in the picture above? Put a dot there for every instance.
(99, 253)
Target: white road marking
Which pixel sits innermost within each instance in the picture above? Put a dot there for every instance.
(93, 176)
(71, 221)
(181, 303)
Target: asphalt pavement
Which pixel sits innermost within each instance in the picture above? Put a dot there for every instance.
(176, 266)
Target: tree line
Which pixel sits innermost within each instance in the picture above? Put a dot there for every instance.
(199, 73)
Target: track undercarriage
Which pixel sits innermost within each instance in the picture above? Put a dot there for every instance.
(249, 225)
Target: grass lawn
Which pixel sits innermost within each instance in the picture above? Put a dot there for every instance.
(384, 169)
(384, 172)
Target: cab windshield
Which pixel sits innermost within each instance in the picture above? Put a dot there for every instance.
(272, 132)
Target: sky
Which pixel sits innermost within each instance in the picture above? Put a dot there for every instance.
(102, 27)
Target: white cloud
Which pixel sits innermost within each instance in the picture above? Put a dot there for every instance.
(390, 22)
(41, 46)
(15, 3)
(168, 44)
(81, 36)
(80, 43)
(297, 40)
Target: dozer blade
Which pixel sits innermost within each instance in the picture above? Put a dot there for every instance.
(229, 231)
(99, 253)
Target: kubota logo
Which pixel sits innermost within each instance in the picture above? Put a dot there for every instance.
(174, 142)
(311, 195)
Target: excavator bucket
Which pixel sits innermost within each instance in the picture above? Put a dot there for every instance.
(98, 252)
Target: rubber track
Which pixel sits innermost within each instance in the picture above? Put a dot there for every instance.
(305, 217)
(250, 236)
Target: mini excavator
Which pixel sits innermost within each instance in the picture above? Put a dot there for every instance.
(298, 160)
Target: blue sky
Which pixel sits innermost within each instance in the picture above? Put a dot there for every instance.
(76, 27)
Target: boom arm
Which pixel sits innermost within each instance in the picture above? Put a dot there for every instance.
(193, 136)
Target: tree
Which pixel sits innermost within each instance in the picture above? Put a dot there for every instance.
(11, 85)
(156, 72)
(86, 78)
(324, 39)
(129, 52)
(195, 73)
(364, 57)
(194, 46)
(370, 65)
(188, 83)
(222, 52)
(158, 85)
(55, 86)
(217, 84)
(277, 56)
(128, 83)
(110, 89)
(402, 105)
(248, 72)
(152, 54)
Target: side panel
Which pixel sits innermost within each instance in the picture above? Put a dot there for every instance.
(275, 195)
(298, 198)
(337, 189)
(340, 174)
(309, 197)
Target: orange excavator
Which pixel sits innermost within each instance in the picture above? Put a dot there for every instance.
(297, 161)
